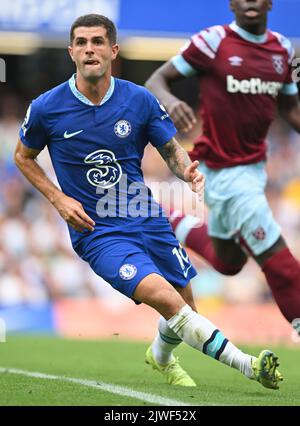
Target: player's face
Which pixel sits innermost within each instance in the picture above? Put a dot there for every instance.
(250, 12)
(92, 52)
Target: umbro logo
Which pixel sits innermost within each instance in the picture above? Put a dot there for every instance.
(235, 61)
(70, 135)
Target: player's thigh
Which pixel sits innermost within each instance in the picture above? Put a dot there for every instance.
(121, 262)
(229, 251)
(257, 229)
(170, 257)
(245, 224)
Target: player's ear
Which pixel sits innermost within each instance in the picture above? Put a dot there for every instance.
(70, 50)
(115, 50)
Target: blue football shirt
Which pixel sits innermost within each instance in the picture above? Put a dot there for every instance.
(96, 151)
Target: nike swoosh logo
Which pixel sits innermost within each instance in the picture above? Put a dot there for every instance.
(186, 271)
(69, 135)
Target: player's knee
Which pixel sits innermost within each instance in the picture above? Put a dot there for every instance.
(169, 300)
(229, 271)
(192, 304)
(156, 292)
(190, 301)
(187, 295)
(228, 268)
(167, 303)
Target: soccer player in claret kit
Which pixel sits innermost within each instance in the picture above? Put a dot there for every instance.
(245, 73)
(96, 128)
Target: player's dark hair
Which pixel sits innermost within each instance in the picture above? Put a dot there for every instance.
(94, 20)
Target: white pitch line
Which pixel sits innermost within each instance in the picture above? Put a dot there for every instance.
(106, 387)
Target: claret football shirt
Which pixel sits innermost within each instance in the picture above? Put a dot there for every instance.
(241, 76)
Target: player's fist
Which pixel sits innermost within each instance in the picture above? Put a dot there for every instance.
(182, 115)
(73, 213)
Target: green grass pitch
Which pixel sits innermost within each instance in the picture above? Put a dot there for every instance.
(121, 364)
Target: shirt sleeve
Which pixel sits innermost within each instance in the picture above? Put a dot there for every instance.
(289, 86)
(33, 131)
(199, 54)
(160, 127)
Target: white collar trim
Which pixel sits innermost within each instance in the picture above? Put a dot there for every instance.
(248, 36)
(84, 99)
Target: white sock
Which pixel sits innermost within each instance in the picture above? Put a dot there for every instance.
(235, 358)
(164, 343)
(198, 332)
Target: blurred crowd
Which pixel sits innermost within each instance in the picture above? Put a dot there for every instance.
(37, 263)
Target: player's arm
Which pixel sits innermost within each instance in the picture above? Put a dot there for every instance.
(289, 109)
(160, 85)
(69, 209)
(180, 164)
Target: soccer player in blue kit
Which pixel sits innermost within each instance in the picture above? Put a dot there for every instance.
(96, 128)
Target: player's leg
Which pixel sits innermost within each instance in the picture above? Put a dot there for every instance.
(187, 294)
(260, 235)
(175, 266)
(269, 253)
(122, 261)
(166, 341)
(224, 255)
(282, 272)
(160, 354)
(199, 333)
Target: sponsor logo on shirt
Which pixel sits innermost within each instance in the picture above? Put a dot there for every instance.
(253, 86)
(106, 171)
(127, 271)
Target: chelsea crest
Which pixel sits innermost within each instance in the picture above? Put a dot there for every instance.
(122, 128)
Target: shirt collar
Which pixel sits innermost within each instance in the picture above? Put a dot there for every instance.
(248, 36)
(84, 99)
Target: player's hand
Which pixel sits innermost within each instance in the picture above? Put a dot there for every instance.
(182, 115)
(195, 178)
(73, 213)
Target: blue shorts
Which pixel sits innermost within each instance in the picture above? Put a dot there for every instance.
(124, 259)
(238, 208)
